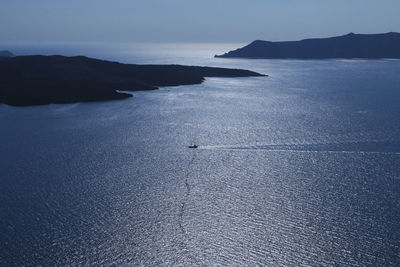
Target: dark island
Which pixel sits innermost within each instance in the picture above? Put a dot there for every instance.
(368, 46)
(4, 53)
(39, 80)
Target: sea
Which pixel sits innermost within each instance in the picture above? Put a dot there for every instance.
(299, 168)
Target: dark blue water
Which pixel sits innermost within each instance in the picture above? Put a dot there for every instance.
(299, 168)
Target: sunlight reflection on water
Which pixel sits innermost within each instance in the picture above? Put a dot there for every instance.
(288, 170)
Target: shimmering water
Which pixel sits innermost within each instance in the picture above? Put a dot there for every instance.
(299, 168)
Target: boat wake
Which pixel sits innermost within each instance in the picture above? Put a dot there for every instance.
(384, 148)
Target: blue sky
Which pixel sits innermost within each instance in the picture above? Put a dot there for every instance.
(114, 21)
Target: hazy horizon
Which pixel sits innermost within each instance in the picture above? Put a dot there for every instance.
(178, 21)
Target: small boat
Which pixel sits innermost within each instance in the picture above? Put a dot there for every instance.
(193, 146)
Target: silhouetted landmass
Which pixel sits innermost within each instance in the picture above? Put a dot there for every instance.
(4, 53)
(38, 80)
(370, 46)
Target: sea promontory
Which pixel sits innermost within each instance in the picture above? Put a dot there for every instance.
(39, 80)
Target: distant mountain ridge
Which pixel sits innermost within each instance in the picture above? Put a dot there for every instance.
(368, 46)
(5, 53)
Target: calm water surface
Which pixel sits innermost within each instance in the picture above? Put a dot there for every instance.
(299, 168)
